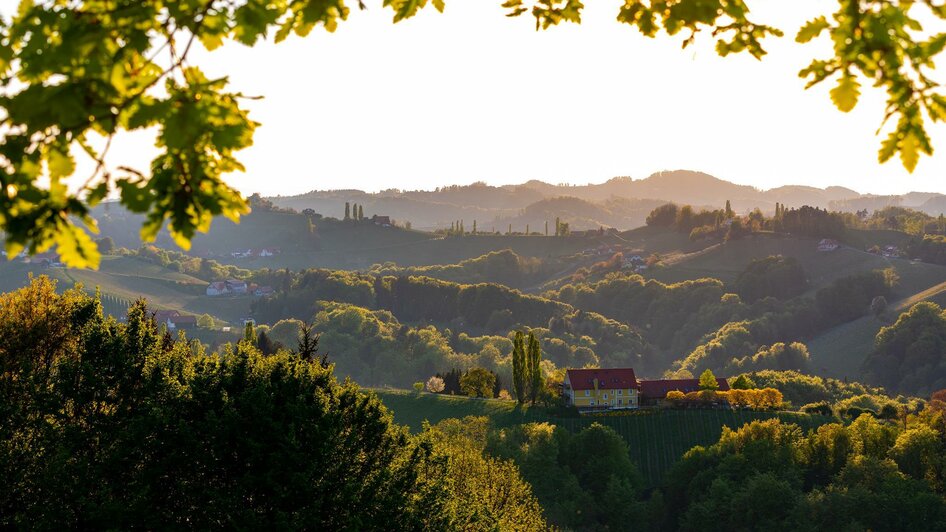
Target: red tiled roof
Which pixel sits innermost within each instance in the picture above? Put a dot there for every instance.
(162, 316)
(584, 379)
(658, 389)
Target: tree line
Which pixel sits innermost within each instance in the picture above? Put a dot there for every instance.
(115, 425)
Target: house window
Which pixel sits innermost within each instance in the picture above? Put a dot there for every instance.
(620, 401)
(587, 393)
(620, 392)
(592, 402)
(605, 396)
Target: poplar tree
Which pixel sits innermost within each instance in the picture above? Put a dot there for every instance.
(535, 369)
(519, 368)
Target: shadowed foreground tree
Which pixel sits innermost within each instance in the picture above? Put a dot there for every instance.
(105, 425)
(76, 74)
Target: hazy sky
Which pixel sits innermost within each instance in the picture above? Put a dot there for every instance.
(472, 95)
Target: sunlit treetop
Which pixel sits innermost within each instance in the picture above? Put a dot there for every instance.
(76, 73)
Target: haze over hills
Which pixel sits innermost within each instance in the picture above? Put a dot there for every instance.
(621, 202)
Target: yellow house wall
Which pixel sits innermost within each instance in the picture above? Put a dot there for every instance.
(628, 396)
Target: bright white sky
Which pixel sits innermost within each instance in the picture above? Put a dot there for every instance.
(472, 95)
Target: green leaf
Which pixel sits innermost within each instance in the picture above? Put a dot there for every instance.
(888, 147)
(935, 45)
(811, 29)
(846, 93)
(76, 247)
(60, 164)
(97, 194)
(909, 151)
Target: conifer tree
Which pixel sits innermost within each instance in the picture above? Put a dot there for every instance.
(474, 227)
(347, 211)
(519, 368)
(361, 212)
(729, 211)
(527, 229)
(535, 368)
(249, 335)
(546, 228)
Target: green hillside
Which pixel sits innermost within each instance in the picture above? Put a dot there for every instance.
(726, 261)
(127, 279)
(841, 351)
(656, 438)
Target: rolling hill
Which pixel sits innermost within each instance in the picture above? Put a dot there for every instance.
(126, 279)
(430, 209)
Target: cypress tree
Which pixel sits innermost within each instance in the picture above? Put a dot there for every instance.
(474, 227)
(729, 213)
(558, 226)
(347, 211)
(518, 368)
(546, 228)
(527, 229)
(249, 335)
(361, 212)
(535, 369)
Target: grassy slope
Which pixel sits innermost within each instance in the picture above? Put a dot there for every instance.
(656, 439)
(841, 351)
(128, 279)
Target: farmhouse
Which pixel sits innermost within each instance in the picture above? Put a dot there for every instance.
(182, 322)
(618, 388)
(655, 391)
(601, 388)
(236, 286)
(217, 288)
(263, 291)
(383, 221)
(164, 317)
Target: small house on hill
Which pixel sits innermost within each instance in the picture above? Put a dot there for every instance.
(828, 244)
(236, 286)
(601, 388)
(263, 291)
(383, 221)
(652, 392)
(166, 318)
(217, 288)
(183, 322)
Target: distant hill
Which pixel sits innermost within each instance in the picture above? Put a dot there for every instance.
(529, 202)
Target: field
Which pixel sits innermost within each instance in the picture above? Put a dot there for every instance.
(656, 438)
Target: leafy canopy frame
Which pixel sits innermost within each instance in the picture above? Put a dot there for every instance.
(73, 69)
